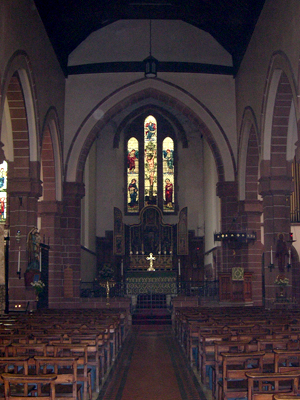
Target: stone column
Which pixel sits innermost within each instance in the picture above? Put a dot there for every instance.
(275, 191)
(228, 193)
(71, 221)
(23, 193)
(252, 252)
(50, 213)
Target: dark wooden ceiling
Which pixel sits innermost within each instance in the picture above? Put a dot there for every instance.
(69, 22)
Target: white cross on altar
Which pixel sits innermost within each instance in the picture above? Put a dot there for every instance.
(151, 259)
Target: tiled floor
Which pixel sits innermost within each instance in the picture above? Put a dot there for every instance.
(152, 366)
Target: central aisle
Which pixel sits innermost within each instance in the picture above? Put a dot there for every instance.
(152, 366)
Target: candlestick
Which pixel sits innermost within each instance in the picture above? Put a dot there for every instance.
(122, 267)
(289, 256)
(179, 272)
(19, 259)
(40, 260)
(271, 255)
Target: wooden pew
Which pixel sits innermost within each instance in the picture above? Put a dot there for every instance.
(65, 368)
(20, 387)
(80, 351)
(234, 368)
(206, 351)
(263, 386)
(224, 347)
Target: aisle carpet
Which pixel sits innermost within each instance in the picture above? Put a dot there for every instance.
(151, 366)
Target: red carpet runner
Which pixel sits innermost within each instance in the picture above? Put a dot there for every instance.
(152, 366)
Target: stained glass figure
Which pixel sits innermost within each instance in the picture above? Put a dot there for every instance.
(168, 174)
(132, 175)
(150, 176)
(3, 189)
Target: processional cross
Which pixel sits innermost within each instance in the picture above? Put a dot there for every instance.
(151, 259)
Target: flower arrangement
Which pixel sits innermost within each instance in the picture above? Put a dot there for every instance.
(281, 280)
(38, 286)
(106, 272)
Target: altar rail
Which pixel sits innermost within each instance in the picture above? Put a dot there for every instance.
(207, 289)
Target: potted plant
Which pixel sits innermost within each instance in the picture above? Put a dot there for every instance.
(281, 281)
(38, 288)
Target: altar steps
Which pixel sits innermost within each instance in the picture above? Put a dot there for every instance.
(152, 317)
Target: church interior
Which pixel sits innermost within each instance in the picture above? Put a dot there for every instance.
(150, 191)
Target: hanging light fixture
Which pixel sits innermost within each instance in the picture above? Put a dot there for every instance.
(150, 62)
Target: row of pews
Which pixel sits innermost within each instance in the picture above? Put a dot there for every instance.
(242, 352)
(59, 354)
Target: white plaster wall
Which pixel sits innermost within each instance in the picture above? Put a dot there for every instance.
(216, 93)
(212, 211)
(278, 29)
(22, 30)
(129, 40)
(88, 203)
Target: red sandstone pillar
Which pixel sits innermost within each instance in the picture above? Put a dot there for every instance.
(70, 229)
(50, 213)
(252, 252)
(276, 191)
(23, 193)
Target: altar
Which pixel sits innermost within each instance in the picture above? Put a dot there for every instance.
(151, 282)
(150, 252)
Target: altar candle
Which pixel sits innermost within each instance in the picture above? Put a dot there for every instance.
(271, 255)
(19, 259)
(122, 267)
(179, 266)
(289, 256)
(40, 260)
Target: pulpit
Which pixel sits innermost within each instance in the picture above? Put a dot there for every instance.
(235, 290)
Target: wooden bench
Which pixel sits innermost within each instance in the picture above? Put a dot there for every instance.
(22, 387)
(263, 386)
(65, 368)
(224, 347)
(234, 369)
(286, 360)
(80, 351)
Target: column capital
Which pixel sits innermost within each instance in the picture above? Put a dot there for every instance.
(281, 184)
(50, 207)
(74, 189)
(24, 187)
(252, 206)
(227, 189)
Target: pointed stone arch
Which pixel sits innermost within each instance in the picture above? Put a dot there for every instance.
(24, 188)
(180, 101)
(249, 156)
(279, 115)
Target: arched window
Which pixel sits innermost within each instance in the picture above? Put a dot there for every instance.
(150, 164)
(150, 178)
(133, 175)
(168, 174)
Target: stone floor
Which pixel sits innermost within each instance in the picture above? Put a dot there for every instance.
(152, 366)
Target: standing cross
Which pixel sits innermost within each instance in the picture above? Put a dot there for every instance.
(151, 259)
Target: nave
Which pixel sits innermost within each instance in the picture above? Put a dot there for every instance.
(152, 366)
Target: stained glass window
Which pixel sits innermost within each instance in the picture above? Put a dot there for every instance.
(133, 175)
(3, 193)
(168, 174)
(150, 166)
(150, 160)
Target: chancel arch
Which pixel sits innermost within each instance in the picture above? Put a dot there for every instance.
(127, 100)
